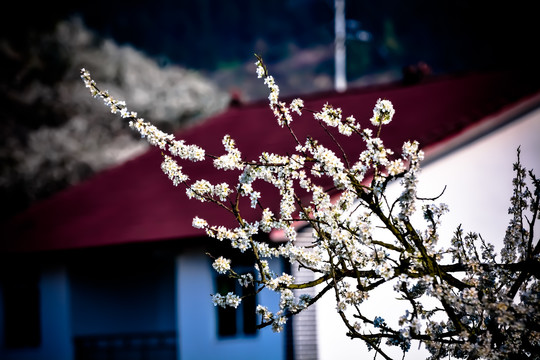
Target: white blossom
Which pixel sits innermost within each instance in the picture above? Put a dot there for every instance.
(222, 265)
(382, 112)
(297, 105)
(199, 223)
(233, 159)
(171, 168)
(329, 115)
(223, 301)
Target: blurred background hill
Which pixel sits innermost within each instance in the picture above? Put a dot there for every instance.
(178, 61)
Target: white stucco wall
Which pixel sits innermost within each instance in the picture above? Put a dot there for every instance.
(196, 317)
(478, 178)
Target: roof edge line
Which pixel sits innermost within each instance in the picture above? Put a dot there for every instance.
(481, 128)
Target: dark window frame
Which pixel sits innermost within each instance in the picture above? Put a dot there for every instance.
(242, 321)
(22, 309)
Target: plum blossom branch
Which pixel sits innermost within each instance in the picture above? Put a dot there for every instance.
(481, 304)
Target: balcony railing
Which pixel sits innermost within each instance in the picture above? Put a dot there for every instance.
(139, 346)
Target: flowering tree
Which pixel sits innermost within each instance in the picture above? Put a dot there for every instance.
(464, 301)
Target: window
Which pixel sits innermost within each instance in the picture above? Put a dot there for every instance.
(239, 321)
(22, 323)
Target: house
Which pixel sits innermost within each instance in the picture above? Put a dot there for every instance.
(473, 170)
(113, 269)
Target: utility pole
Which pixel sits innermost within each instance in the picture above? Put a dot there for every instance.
(340, 76)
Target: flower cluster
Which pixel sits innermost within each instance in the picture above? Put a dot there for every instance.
(414, 156)
(383, 112)
(222, 265)
(233, 159)
(246, 280)
(333, 117)
(223, 301)
(280, 109)
(174, 171)
(204, 191)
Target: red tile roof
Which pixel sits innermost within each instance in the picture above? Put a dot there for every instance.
(135, 202)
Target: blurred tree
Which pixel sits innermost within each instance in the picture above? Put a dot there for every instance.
(48, 142)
